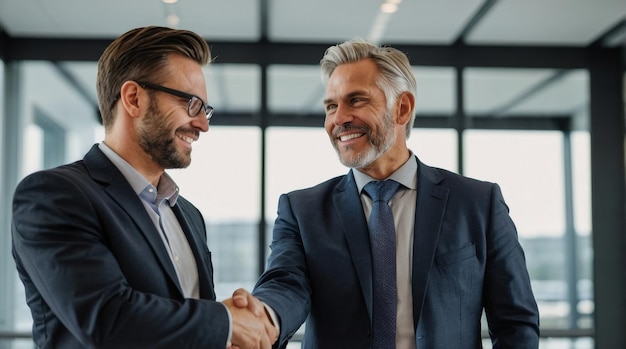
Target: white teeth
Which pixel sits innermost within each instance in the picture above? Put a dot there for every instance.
(187, 139)
(350, 136)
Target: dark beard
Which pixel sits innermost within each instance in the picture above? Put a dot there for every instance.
(156, 140)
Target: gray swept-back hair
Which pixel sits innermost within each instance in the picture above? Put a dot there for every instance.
(396, 75)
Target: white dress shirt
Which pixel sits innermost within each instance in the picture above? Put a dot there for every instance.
(158, 203)
(403, 209)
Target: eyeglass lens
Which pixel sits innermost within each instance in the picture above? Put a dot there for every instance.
(195, 106)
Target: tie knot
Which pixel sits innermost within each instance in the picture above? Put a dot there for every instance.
(381, 190)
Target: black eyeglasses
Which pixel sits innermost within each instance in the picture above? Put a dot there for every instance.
(194, 105)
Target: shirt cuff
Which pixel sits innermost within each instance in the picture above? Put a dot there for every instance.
(273, 316)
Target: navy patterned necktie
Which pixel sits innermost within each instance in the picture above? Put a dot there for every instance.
(383, 238)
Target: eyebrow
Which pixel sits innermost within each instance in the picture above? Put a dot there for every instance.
(348, 96)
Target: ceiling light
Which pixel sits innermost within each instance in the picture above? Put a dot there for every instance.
(169, 1)
(388, 8)
(172, 20)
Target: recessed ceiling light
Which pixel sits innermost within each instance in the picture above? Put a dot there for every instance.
(172, 20)
(169, 1)
(388, 8)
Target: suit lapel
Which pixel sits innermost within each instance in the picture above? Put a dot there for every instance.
(430, 207)
(352, 219)
(199, 249)
(429, 211)
(102, 170)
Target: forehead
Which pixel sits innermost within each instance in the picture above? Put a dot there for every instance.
(184, 74)
(348, 77)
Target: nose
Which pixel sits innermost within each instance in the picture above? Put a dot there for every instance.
(200, 122)
(343, 114)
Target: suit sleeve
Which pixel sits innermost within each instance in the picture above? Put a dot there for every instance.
(62, 246)
(285, 286)
(510, 305)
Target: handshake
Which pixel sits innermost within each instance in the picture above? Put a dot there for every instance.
(252, 326)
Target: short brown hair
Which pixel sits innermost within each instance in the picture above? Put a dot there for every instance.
(140, 54)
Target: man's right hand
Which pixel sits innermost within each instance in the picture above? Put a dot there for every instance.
(252, 327)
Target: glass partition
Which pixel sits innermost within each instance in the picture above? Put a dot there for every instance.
(223, 182)
(543, 168)
(542, 164)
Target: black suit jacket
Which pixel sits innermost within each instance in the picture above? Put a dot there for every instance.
(466, 258)
(95, 270)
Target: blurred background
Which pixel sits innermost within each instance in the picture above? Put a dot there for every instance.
(528, 94)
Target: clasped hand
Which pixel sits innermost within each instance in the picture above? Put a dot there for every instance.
(252, 326)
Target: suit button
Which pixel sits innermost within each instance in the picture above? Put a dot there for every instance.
(367, 332)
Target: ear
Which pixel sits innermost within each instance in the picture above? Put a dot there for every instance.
(405, 107)
(130, 98)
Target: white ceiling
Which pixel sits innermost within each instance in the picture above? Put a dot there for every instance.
(298, 88)
(569, 22)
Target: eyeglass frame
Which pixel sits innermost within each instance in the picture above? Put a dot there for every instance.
(208, 110)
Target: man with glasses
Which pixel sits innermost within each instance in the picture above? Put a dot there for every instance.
(110, 254)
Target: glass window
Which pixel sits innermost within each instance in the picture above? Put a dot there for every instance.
(223, 182)
(233, 87)
(435, 147)
(529, 166)
(435, 91)
(224, 178)
(225, 163)
(533, 169)
(59, 126)
(295, 89)
(581, 179)
(33, 148)
(581, 173)
(297, 158)
(499, 92)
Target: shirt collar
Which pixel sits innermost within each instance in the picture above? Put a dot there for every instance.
(405, 175)
(167, 188)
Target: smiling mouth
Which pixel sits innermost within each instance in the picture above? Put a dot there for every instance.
(350, 136)
(187, 139)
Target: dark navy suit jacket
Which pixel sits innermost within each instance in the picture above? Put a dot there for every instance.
(466, 258)
(95, 270)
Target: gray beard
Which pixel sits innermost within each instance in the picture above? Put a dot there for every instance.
(377, 147)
